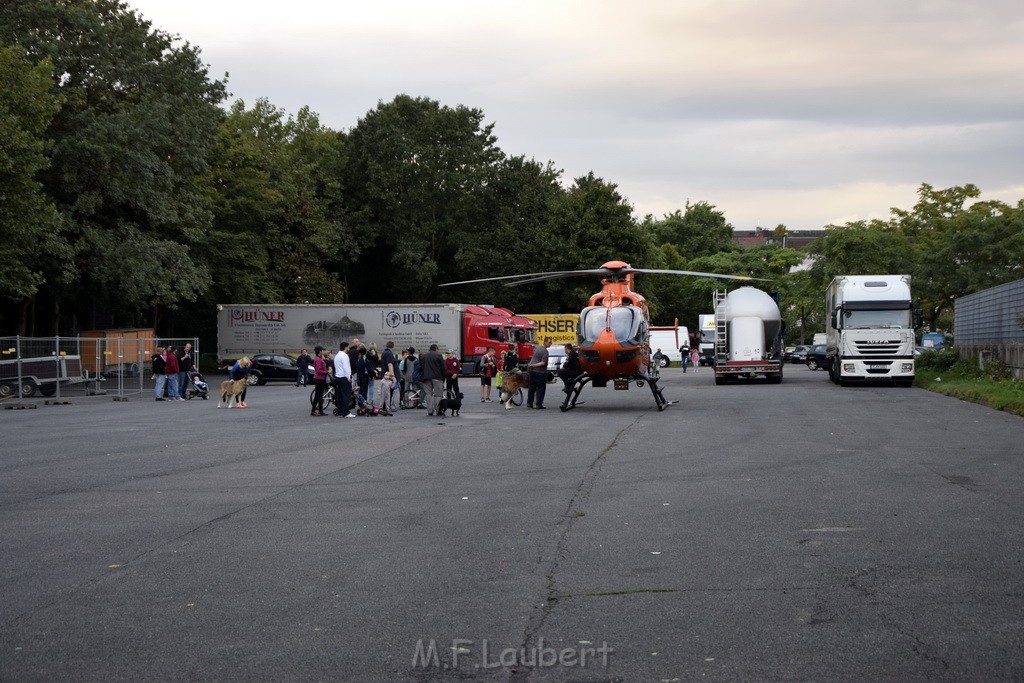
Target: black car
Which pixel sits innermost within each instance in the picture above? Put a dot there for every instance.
(797, 354)
(274, 367)
(816, 358)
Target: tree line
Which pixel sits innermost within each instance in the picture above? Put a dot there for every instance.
(133, 194)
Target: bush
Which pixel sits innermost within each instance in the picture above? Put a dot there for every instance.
(939, 359)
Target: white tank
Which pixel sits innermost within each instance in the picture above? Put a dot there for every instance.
(742, 305)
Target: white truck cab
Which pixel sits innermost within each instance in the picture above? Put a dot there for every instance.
(870, 329)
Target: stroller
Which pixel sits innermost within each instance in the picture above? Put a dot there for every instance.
(196, 386)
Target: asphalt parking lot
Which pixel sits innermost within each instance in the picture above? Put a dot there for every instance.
(758, 532)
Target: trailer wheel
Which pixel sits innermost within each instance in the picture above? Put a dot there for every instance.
(48, 389)
(6, 390)
(28, 388)
(719, 380)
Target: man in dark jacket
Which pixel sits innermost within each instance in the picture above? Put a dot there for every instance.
(159, 372)
(571, 368)
(303, 362)
(432, 370)
(185, 365)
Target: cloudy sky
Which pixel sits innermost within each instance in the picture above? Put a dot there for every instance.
(800, 112)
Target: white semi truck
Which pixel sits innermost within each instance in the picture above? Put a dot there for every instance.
(748, 336)
(870, 324)
(706, 324)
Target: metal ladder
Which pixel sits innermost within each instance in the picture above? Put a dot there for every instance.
(721, 319)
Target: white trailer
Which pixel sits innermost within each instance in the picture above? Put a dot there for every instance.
(748, 336)
(870, 329)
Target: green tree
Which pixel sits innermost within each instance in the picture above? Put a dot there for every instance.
(277, 209)
(28, 219)
(415, 178)
(860, 248)
(960, 249)
(699, 230)
(138, 117)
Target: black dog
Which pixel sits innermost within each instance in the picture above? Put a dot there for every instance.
(452, 404)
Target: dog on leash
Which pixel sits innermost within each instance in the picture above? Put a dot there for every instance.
(452, 404)
(230, 390)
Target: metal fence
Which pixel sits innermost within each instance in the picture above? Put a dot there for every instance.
(60, 368)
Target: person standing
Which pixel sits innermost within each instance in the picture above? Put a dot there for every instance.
(538, 367)
(171, 367)
(684, 351)
(432, 376)
(363, 372)
(695, 359)
(343, 381)
(159, 373)
(452, 370)
(303, 362)
(389, 363)
(488, 369)
(186, 363)
(319, 381)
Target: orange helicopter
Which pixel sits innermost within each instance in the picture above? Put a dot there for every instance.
(613, 330)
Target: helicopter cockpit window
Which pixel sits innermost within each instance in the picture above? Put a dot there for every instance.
(624, 321)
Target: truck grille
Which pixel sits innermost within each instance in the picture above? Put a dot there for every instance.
(875, 348)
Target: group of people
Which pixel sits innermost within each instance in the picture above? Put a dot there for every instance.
(171, 371)
(491, 365)
(360, 372)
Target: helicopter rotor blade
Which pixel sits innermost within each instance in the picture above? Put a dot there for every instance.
(533, 277)
(693, 273)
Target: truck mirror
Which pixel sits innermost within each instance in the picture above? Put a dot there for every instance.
(835, 320)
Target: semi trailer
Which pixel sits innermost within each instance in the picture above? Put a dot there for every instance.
(466, 329)
(748, 336)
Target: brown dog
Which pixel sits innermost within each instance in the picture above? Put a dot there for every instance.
(510, 384)
(230, 390)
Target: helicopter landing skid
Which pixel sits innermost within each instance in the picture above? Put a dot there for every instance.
(652, 382)
(574, 392)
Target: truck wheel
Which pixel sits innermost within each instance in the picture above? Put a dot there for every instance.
(48, 389)
(719, 380)
(6, 390)
(28, 388)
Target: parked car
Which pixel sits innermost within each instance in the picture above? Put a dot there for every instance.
(816, 358)
(274, 367)
(795, 354)
(556, 356)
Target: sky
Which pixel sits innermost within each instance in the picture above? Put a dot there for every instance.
(796, 112)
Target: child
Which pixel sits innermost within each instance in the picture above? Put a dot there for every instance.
(386, 385)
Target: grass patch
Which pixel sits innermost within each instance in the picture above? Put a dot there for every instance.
(962, 382)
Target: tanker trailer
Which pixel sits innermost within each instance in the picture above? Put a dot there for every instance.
(748, 336)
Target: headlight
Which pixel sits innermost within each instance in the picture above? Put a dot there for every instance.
(908, 367)
(848, 367)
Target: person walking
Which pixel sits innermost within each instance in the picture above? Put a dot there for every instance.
(319, 381)
(432, 377)
(684, 352)
(303, 362)
(695, 359)
(538, 367)
(343, 381)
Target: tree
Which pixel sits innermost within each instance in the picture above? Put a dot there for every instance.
(277, 209)
(415, 177)
(860, 248)
(29, 222)
(700, 230)
(960, 249)
(138, 117)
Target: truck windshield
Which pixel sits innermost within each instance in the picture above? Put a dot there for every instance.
(624, 322)
(866, 320)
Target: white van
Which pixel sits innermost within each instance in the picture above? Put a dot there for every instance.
(669, 339)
